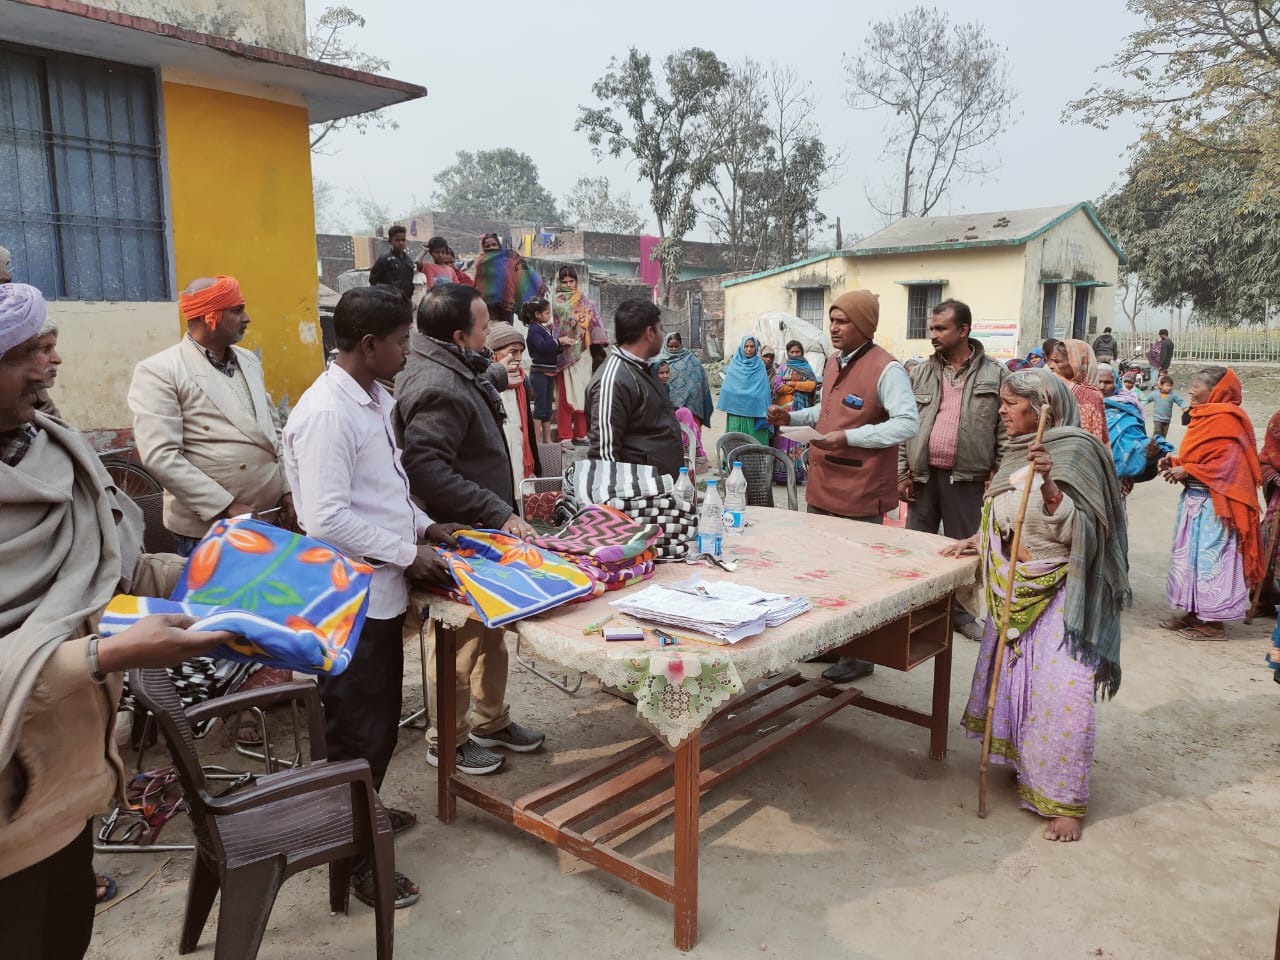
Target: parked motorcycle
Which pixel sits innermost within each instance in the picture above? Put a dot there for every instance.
(1139, 368)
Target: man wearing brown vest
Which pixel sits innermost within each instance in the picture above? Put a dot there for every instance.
(867, 410)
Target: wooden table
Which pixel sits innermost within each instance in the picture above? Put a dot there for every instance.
(881, 594)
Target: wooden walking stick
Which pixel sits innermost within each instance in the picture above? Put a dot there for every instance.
(1002, 638)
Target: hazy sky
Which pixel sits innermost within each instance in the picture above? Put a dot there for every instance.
(519, 80)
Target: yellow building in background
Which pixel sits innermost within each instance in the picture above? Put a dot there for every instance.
(1026, 275)
(137, 153)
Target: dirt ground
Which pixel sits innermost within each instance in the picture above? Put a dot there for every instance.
(852, 843)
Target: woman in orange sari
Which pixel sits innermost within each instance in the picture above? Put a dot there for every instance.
(1074, 362)
(1217, 553)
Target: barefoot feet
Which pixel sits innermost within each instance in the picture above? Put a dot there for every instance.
(1065, 829)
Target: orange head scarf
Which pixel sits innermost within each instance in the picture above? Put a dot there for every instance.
(208, 304)
(1218, 450)
(1083, 361)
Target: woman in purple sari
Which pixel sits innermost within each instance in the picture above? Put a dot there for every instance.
(1063, 645)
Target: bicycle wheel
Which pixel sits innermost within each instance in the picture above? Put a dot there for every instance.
(132, 478)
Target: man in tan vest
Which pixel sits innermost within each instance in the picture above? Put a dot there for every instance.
(203, 421)
(867, 410)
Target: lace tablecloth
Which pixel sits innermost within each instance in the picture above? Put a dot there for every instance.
(859, 576)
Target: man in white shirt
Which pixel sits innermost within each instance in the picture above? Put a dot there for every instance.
(351, 491)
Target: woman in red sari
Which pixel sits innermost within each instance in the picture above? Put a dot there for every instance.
(1269, 460)
(1074, 362)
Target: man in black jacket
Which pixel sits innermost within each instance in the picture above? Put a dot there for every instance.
(632, 420)
(395, 267)
(449, 419)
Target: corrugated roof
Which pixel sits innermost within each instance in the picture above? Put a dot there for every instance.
(927, 234)
(977, 229)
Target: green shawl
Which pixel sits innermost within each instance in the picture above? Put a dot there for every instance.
(1098, 577)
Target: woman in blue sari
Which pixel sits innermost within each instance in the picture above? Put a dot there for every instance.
(793, 389)
(745, 393)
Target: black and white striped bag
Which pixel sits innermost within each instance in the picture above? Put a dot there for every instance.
(639, 491)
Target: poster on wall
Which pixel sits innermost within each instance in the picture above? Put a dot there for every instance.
(999, 337)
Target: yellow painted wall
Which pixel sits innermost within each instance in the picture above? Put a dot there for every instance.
(1074, 249)
(241, 204)
(988, 279)
(745, 303)
(100, 343)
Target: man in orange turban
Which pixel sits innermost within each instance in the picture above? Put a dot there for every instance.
(203, 422)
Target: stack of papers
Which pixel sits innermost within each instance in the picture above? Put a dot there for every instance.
(727, 611)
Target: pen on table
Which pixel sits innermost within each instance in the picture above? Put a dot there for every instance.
(597, 626)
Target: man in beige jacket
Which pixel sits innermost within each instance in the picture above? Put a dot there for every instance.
(203, 422)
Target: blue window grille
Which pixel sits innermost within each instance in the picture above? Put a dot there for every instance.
(921, 299)
(81, 199)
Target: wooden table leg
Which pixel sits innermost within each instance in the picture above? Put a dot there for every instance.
(446, 710)
(687, 773)
(938, 726)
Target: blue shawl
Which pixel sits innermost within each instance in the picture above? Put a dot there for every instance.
(745, 392)
(689, 386)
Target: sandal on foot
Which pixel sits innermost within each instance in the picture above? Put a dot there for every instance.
(401, 820)
(106, 888)
(1203, 631)
(248, 734)
(407, 892)
(1178, 623)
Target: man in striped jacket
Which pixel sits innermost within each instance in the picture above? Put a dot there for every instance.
(632, 420)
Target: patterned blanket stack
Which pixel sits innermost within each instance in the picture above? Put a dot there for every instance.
(640, 492)
(607, 545)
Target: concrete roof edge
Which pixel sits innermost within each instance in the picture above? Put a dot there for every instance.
(234, 48)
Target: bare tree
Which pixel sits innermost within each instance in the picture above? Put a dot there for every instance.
(804, 164)
(1132, 298)
(656, 125)
(772, 166)
(947, 87)
(327, 42)
(735, 125)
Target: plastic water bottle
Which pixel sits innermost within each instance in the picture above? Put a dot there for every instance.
(684, 491)
(711, 521)
(735, 500)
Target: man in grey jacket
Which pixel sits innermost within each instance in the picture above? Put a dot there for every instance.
(943, 470)
(632, 420)
(449, 419)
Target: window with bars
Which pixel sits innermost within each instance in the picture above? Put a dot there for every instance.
(810, 302)
(81, 203)
(921, 299)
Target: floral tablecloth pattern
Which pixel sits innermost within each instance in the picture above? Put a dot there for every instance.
(859, 576)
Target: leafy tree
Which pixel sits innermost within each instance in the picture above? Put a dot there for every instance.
(946, 88)
(328, 43)
(772, 167)
(1203, 76)
(590, 206)
(658, 126)
(735, 124)
(498, 183)
(1197, 231)
(371, 215)
(328, 217)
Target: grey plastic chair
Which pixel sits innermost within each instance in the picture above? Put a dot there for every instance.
(727, 443)
(758, 465)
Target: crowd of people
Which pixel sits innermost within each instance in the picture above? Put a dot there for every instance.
(385, 475)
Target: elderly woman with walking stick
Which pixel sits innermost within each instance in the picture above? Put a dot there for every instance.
(1049, 653)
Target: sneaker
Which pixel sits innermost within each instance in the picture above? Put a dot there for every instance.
(512, 737)
(471, 759)
(847, 670)
(973, 629)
